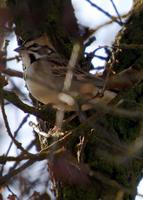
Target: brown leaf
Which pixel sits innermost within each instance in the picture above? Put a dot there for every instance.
(65, 168)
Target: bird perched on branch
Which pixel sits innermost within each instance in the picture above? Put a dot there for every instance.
(45, 71)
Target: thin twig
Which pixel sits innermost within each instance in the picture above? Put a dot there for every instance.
(12, 72)
(18, 145)
(71, 65)
(17, 58)
(59, 141)
(5, 179)
(14, 99)
(105, 12)
(93, 31)
(15, 134)
(10, 190)
(68, 80)
(129, 46)
(22, 155)
(31, 160)
(24, 120)
(115, 8)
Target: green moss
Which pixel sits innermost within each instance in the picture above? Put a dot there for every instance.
(122, 175)
(74, 193)
(126, 129)
(102, 165)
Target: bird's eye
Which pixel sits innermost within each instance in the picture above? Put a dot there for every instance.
(32, 58)
(35, 45)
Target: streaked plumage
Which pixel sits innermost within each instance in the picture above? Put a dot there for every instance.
(45, 71)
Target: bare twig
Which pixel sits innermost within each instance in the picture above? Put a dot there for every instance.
(10, 190)
(105, 12)
(57, 142)
(17, 58)
(14, 99)
(22, 155)
(80, 148)
(71, 65)
(18, 145)
(10, 145)
(115, 8)
(12, 72)
(93, 31)
(120, 46)
(129, 46)
(31, 160)
(5, 179)
(68, 80)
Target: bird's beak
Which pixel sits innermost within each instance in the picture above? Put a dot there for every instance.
(18, 49)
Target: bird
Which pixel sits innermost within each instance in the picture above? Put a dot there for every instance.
(44, 73)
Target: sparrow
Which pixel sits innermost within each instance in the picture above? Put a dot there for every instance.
(45, 70)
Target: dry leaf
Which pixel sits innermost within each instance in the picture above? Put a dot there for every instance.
(65, 168)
